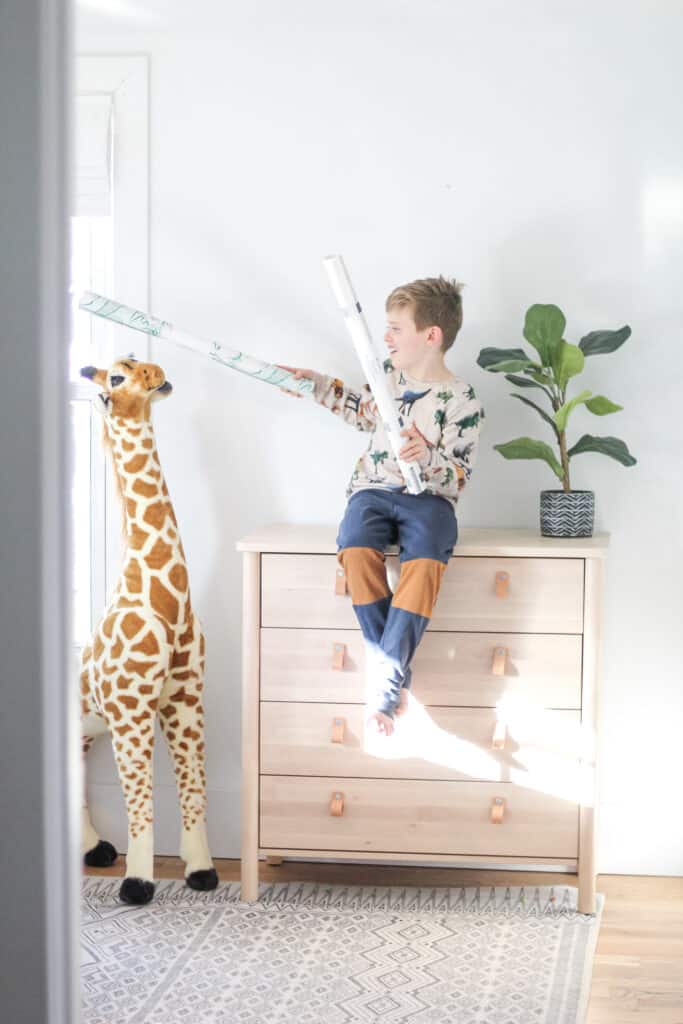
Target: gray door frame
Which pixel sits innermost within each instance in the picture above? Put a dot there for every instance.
(39, 758)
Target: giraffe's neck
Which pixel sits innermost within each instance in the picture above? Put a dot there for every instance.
(154, 567)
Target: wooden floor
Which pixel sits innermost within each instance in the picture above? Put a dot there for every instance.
(638, 969)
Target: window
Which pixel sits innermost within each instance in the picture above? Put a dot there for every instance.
(109, 247)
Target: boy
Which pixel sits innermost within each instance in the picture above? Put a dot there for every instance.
(443, 417)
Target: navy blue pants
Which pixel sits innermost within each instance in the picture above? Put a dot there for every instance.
(426, 531)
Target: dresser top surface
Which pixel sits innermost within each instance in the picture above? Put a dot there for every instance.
(320, 539)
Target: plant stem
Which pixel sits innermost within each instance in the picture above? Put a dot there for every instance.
(565, 462)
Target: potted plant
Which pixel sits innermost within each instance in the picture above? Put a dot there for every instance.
(564, 513)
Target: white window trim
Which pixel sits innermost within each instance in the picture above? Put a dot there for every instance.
(126, 80)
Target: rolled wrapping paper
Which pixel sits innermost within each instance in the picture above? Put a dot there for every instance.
(373, 366)
(99, 305)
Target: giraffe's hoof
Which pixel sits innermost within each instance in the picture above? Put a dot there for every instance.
(101, 856)
(203, 880)
(136, 891)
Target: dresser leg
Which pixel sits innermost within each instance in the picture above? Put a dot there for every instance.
(250, 726)
(249, 877)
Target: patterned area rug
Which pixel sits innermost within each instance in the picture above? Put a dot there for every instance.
(319, 954)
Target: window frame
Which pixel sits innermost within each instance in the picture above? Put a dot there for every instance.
(125, 78)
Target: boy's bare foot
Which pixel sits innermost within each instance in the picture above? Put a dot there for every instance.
(402, 702)
(381, 723)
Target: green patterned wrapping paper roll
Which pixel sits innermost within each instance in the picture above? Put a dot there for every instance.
(108, 309)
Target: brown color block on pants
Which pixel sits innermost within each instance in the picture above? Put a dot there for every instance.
(418, 586)
(366, 574)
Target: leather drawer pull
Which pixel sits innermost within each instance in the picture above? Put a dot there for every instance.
(338, 728)
(499, 658)
(498, 739)
(337, 805)
(340, 582)
(338, 655)
(502, 584)
(497, 810)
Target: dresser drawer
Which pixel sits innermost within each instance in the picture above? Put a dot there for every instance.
(449, 669)
(390, 816)
(542, 595)
(436, 743)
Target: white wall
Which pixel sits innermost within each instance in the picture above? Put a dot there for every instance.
(532, 150)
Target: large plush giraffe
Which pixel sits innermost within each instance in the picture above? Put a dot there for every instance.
(146, 658)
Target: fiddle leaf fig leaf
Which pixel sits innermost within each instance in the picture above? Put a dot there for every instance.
(562, 414)
(601, 406)
(502, 360)
(611, 446)
(543, 328)
(599, 343)
(541, 412)
(528, 448)
(568, 360)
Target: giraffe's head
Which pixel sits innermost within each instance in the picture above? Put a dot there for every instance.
(128, 387)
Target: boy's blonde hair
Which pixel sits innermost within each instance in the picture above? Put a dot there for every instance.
(434, 301)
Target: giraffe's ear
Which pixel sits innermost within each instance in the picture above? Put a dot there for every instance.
(96, 376)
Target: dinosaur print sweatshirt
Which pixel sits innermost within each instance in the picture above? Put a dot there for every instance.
(446, 413)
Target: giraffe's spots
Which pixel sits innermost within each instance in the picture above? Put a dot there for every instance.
(148, 753)
(172, 515)
(144, 689)
(137, 537)
(107, 669)
(133, 576)
(170, 735)
(124, 602)
(117, 649)
(187, 636)
(85, 682)
(134, 431)
(135, 741)
(122, 729)
(123, 682)
(106, 690)
(131, 507)
(139, 719)
(202, 646)
(162, 600)
(138, 668)
(167, 711)
(127, 446)
(159, 555)
(148, 443)
(146, 490)
(180, 659)
(131, 624)
(170, 634)
(164, 489)
(114, 711)
(155, 474)
(181, 676)
(191, 734)
(87, 652)
(183, 745)
(178, 577)
(153, 704)
(148, 644)
(175, 724)
(181, 697)
(156, 514)
(98, 647)
(135, 464)
(128, 701)
(161, 674)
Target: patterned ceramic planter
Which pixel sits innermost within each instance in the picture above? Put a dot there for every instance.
(567, 514)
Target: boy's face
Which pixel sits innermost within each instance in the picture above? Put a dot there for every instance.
(406, 344)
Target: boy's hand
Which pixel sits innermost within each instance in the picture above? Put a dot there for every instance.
(298, 374)
(416, 448)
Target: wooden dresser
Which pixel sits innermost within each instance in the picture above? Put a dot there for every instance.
(494, 762)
